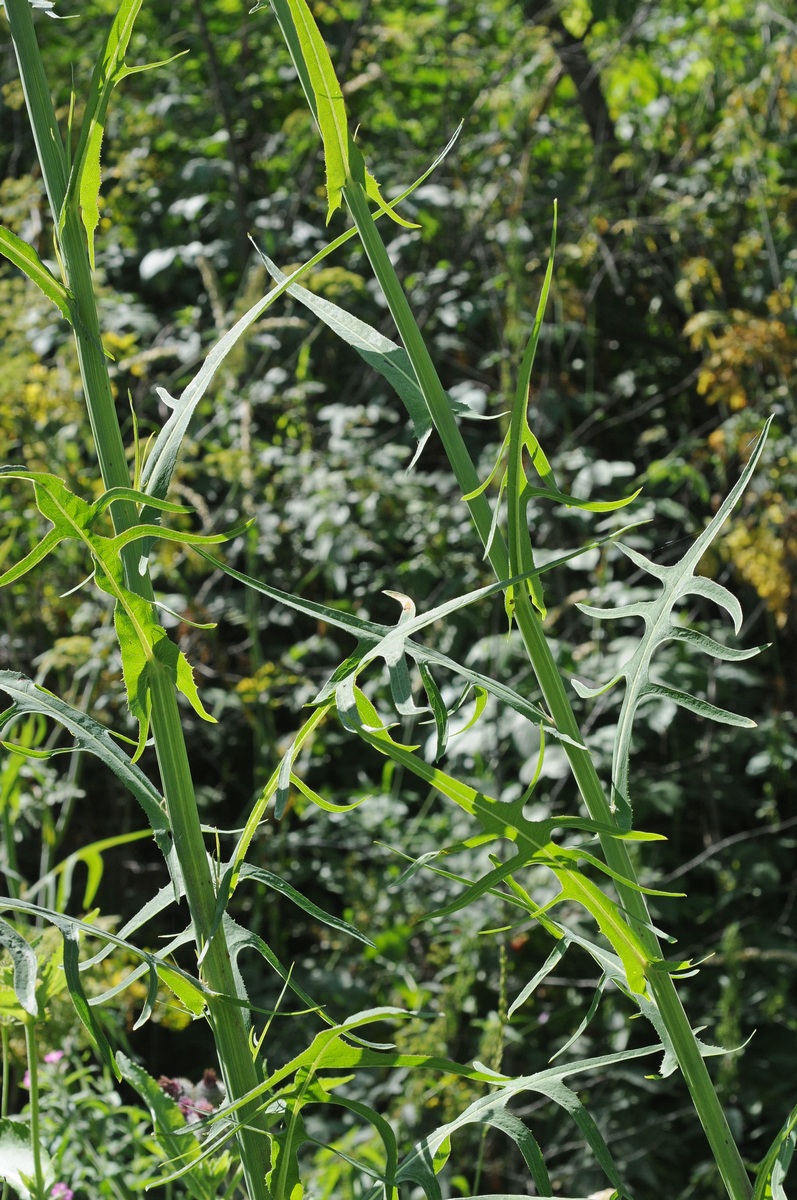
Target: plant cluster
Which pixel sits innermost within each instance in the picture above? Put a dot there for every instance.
(318, 1095)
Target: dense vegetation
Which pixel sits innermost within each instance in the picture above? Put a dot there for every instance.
(667, 134)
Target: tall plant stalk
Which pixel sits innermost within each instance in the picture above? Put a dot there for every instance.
(228, 1019)
(349, 180)
(692, 1064)
(646, 971)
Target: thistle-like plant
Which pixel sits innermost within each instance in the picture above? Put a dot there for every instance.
(266, 1104)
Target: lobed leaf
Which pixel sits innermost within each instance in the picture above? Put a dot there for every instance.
(503, 821)
(418, 1166)
(678, 581)
(385, 641)
(144, 644)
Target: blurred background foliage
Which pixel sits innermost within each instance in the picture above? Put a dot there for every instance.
(668, 133)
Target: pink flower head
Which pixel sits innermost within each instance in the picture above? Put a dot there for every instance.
(60, 1191)
(54, 1056)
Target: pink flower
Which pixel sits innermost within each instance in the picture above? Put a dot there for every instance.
(54, 1056)
(60, 1191)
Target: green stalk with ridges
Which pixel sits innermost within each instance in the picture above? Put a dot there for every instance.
(690, 1060)
(227, 1019)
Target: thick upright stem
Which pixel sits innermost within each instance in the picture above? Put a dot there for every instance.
(228, 1020)
(35, 1133)
(661, 985)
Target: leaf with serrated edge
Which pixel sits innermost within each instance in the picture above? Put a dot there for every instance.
(144, 643)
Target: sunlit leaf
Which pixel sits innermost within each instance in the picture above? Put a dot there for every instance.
(25, 257)
(678, 581)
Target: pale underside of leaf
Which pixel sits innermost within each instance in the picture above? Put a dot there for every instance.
(678, 582)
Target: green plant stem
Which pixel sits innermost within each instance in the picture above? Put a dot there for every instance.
(687, 1051)
(5, 1062)
(227, 1020)
(33, 1076)
(75, 265)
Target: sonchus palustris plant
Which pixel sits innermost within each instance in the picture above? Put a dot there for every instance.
(118, 530)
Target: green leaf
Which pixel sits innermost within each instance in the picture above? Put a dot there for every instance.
(774, 1168)
(520, 444)
(28, 697)
(389, 359)
(83, 187)
(551, 961)
(144, 644)
(178, 1142)
(344, 162)
(240, 939)
(25, 965)
(324, 93)
(490, 1110)
(61, 967)
(70, 932)
(249, 871)
(17, 1166)
(506, 822)
(160, 464)
(678, 581)
(25, 257)
(375, 641)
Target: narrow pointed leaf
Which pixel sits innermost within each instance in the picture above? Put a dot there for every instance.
(249, 871)
(28, 697)
(701, 708)
(25, 257)
(342, 158)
